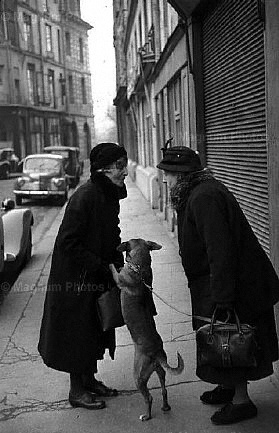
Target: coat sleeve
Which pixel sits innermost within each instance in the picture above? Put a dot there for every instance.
(73, 233)
(212, 223)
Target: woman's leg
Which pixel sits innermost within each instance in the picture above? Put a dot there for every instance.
(80, 397)
(93, 385)
(76, 386)
(219, 395)
(241, 393)
(239, 409)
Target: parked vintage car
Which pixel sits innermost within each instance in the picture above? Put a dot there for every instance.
(43, 176)
(8, 162)
(15, 238)
(74, 167)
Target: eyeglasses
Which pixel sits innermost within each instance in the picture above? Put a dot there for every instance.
(121, 164)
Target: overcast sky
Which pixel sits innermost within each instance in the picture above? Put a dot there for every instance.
(99, 14)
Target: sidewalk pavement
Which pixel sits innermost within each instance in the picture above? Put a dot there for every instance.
(33, 398)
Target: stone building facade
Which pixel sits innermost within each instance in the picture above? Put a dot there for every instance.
(203, 74)
(45, 82)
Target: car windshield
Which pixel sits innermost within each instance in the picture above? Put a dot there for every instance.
(45, 165)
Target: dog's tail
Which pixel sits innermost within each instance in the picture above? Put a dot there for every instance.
(173, 370)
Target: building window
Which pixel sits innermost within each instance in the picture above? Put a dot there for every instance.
(48, 38)
(62, 82)
(17, 91)
(10, 30)
(71, 89)
(74, 6)
(59, 46)
(31, 83)
(83, 91)
(54, 132)
(36, 134)
(80, 50)
(51, 90)
(1, 75)
(27, 31)
(45, 5)
(68, 43)
(17, 85)
(174, 109)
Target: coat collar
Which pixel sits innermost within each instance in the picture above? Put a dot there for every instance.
(110, 189)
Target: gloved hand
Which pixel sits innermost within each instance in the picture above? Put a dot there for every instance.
(118, 266)
(104, 269)
(224, 311)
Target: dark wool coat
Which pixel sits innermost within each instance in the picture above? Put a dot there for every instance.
(224, 263)
(71, 338)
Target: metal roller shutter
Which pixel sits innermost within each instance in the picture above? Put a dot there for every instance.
(235, 119)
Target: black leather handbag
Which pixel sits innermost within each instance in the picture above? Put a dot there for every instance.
(109, 309)
(226, 345)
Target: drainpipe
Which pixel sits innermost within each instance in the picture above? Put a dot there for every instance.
(8, 54)
(41, 52)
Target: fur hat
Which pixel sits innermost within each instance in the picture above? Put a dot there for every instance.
(105, 154)
(180, 159)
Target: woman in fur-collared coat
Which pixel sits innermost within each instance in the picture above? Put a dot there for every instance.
(227, 268)
(71, 339)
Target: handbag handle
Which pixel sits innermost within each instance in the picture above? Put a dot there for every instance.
(213, 321)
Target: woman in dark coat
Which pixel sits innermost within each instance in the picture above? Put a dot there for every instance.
(71, 339)
(227, 268)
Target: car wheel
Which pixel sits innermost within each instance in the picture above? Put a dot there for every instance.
(28, 252)
(18, 200)
(4, 173)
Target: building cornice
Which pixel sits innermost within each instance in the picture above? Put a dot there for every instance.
(184, 8)
(130, 22)
(66, 16)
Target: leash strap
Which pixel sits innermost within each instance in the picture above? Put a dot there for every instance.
(204, 319)
(136, 268)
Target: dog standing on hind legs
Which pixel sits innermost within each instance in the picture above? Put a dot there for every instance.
(135, 281)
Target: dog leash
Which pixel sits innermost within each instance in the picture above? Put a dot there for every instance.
(136, 268)
(204, 319)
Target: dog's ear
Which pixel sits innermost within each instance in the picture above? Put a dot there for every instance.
(123, 247)
(153, 245)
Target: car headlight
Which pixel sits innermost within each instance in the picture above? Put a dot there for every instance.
(20, 181)
(58, 182)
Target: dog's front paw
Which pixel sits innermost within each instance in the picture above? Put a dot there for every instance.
(145, 417)
(166, 407)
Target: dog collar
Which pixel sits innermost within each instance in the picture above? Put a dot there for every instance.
(134, 267)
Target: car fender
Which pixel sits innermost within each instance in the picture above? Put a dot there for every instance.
(1, 245)
(16, 224)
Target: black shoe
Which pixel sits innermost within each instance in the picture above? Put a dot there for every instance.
(100, 389)
(232, 413)
(218, 395)
(86, 400)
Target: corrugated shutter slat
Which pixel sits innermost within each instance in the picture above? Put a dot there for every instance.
(235, 119)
